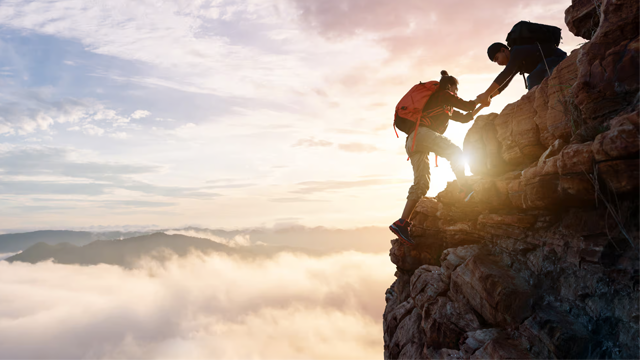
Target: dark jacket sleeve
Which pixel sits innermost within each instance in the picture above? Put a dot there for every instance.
(503, 86)
(460, 117)
(517, 55)
(450, 99)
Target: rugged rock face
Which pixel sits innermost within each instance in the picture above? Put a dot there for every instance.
(543, 260)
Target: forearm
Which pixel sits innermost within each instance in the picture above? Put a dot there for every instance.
(456, 102)
(492, 90)
(462, 118)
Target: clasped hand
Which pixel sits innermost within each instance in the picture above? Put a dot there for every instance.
(483, 99)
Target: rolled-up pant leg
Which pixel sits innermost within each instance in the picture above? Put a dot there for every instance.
(428, 141)
(421, 174)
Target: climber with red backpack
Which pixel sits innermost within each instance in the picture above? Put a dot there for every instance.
(423, 114)
(531, 49)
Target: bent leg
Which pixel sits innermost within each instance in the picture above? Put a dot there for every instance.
(442, 147)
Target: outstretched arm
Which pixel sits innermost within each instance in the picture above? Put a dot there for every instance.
(518, 53)
(465, 118)
(453, 100)
(462, 118)
(485, 98)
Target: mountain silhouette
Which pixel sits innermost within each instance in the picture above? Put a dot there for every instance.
(127, 252)
(19, 241)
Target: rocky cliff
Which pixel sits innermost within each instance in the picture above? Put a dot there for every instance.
(542, 261)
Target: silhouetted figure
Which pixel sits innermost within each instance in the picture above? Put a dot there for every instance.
(425, 136)
(532, 49)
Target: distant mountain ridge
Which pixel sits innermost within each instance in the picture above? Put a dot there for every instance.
(10, 243)
(366, 239)
(128, 252)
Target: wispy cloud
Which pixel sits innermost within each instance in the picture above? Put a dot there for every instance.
(309, 187)
(25, 112)
(357, 148)
(75, 176)
(311, 142)
(406, 27)
(235, 241)
(139, 114)
(294, 200)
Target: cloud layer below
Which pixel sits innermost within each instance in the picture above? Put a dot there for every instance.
(290, 306)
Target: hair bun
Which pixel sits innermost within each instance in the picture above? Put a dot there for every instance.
(444, 73)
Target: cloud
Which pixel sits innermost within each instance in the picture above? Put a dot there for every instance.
(27, 111)
(309, 187)
(350, 147)
(119, 135)
(93, 130)
(227, 183)
(142, 31)
(408, 26)
(71, 203)
(74, 175)
(47, 160)
(135, 203)
(236, 241)
(294, 200)
(139, 114)
(229, 186)
(289, 306)
(357, 148)
(49, 187)
(312, 143)
(6, 255)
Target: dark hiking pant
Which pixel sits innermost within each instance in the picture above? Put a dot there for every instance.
(540, 72)
(428, 141)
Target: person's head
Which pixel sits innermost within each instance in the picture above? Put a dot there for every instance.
(448, 82)
(499, 53)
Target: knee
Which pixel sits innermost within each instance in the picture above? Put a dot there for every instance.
(457, 157)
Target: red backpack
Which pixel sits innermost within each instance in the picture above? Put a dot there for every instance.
(412, 104)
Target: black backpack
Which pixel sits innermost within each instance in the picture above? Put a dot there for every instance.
(528, 33)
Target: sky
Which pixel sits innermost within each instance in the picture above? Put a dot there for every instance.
(229, 114)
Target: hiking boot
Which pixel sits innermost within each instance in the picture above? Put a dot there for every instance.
(465, 190)
(401, 229)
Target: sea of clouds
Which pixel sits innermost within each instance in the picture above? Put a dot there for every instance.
(214, 306)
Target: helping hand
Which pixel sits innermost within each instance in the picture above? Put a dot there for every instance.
(483, 99)
(477, 110)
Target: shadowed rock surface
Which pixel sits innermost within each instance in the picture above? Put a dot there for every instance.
(543, 260)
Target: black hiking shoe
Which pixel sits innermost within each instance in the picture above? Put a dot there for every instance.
(401, 229)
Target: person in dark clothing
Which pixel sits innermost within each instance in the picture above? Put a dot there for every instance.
(537, 60)
(426, 138)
